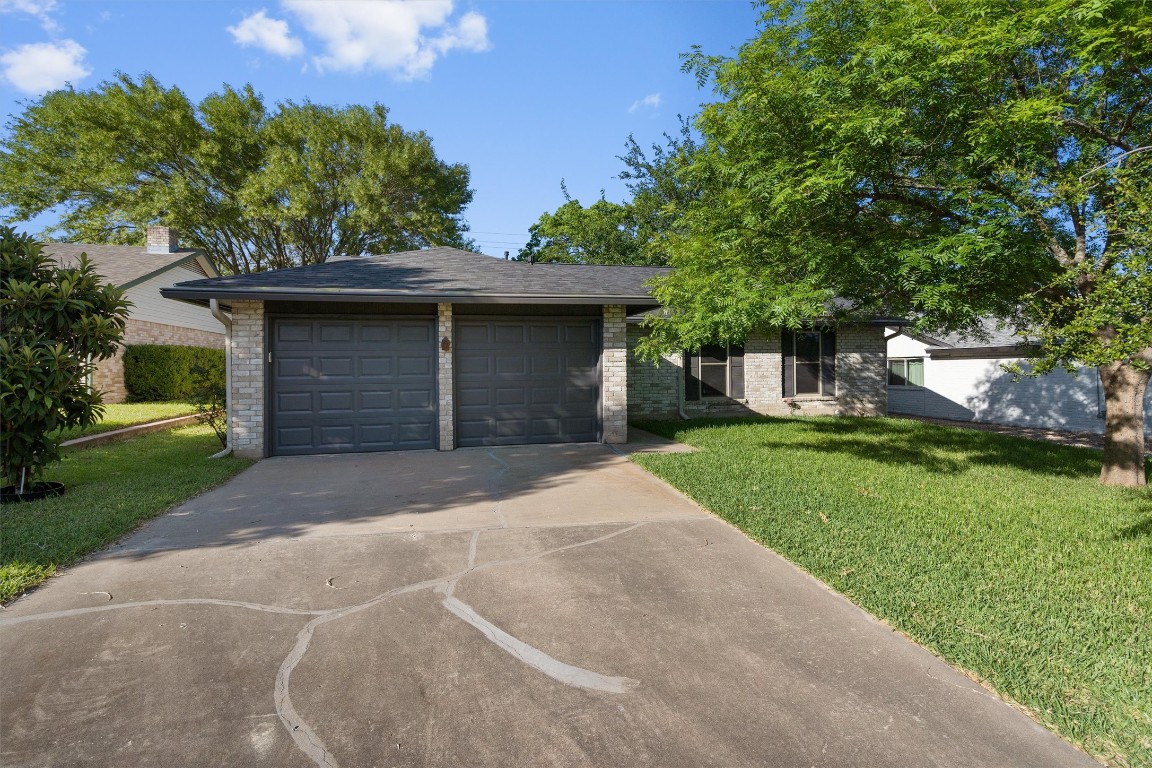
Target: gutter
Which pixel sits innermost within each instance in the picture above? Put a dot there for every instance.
(218, 313)
(194, 295)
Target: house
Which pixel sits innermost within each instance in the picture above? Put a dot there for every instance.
(442, 348)
(152, 319)
(961, 378)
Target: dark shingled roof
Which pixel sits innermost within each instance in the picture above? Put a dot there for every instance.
(436, 274)
(121, 265)
(991, 335)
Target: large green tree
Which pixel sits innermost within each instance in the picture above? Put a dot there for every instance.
(631, 232)
(948, 159)
(254, 188)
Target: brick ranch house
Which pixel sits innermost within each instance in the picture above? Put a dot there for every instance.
(152, 319)
(443, 348)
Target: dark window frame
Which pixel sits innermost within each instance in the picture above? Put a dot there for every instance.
(732, 365)
(824, 363)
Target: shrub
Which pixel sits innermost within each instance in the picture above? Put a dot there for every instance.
(208, 395)
(159, 373)
(57, 322)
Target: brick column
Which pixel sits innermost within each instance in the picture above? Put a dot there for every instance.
(861, 370)
(614, 374)
(248, 366)
(444, 378)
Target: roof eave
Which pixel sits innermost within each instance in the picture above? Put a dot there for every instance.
(202, 296)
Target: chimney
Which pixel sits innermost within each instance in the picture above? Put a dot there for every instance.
(162, 239)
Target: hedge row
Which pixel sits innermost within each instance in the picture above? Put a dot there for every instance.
(159, 373)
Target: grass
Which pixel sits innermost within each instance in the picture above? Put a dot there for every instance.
(120, 415)
(1002, 555)
(111, 489)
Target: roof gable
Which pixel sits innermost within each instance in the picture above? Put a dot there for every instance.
(126, 265)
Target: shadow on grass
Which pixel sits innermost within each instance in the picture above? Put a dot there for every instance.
(934, 448)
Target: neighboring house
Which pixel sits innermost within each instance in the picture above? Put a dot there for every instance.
(443, 348)
(954, 377)
(152, 319)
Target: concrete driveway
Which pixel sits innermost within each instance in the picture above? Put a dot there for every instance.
(532, 606)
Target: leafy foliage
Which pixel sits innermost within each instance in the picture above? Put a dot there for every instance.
(161, 372)
(943, 159)
(209, 396)
(57, 322)
(254, 188)
(632, 232)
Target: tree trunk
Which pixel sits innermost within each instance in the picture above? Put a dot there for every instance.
(1124, 388)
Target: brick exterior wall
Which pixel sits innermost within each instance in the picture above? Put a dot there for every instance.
(861, 386)
(444, 378)
(862, 370)
(614, 374)
(109, 374)
(248, 366)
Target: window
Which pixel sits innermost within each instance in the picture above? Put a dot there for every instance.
(716, 371)
(906, 372)
(809, 363)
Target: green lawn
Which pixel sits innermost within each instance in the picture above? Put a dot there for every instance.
(110, 490)
(120, 415)
(1002, 555)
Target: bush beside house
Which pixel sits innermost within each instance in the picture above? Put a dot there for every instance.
(160, 373)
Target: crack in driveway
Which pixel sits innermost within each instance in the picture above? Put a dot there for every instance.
(305, 737)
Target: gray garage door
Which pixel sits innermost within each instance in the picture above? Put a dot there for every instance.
(527, 380)
(352, 385)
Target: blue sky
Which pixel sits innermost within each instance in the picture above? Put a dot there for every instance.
(525, 93)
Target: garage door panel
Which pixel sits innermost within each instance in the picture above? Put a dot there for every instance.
(545, 365)
(336, 402)
(508, 334)
(544, 334)
(353, 385)
(510, 396)
(473, 396)
(294, 402)
(335, 367)
(545, 395)
(414, 398)
(414, 366)
(376, 400)
(376, 332)
(293, 367)
(526, 380)
(377, 366)
(290, 332)
(476, 365)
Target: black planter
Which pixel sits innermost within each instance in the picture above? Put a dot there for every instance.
(32, 492)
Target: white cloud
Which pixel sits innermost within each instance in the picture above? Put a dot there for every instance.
(41, 9)
(651, 101)
(405, 38)
(272, 35)
(39, 67)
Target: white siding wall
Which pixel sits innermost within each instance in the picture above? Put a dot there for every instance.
(979, 390)
(151, 306)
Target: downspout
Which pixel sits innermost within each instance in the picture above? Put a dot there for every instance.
(680, 387)
(218, 313)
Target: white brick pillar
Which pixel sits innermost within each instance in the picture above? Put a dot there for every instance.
(444, 378)
(614, 374)
(248, 366)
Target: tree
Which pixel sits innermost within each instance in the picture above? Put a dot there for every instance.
(255, 189)
(632, 232)
(57, 322)
(948, 159)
